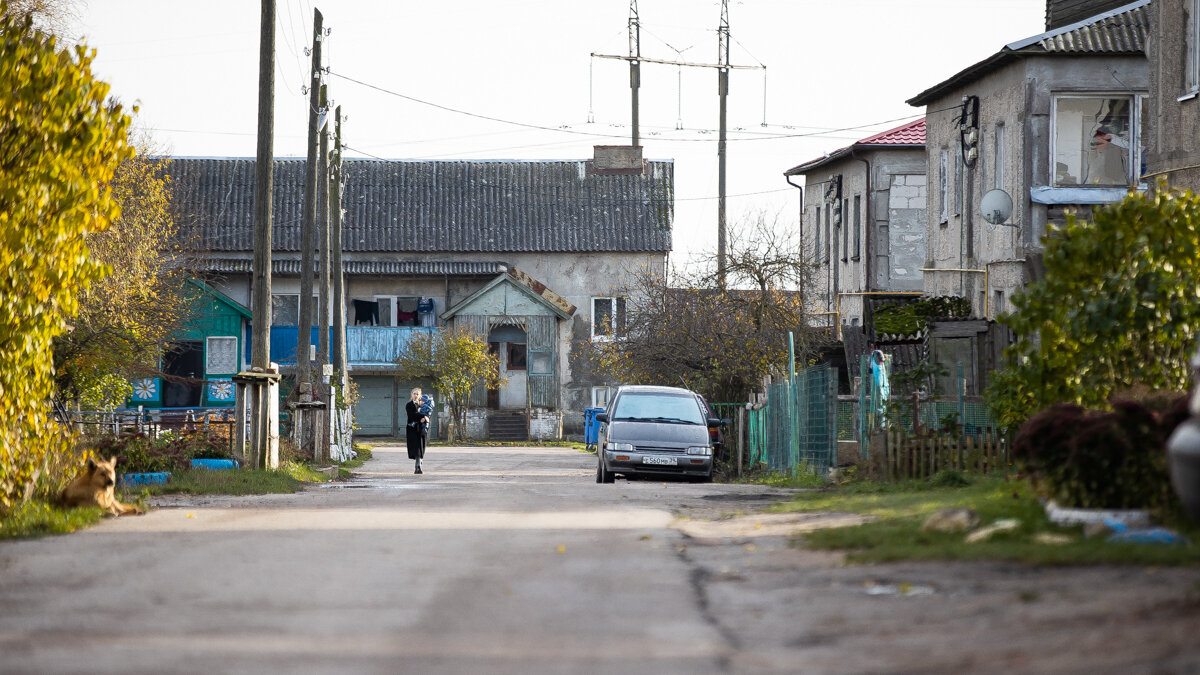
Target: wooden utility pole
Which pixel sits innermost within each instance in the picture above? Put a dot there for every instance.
(255, 388)
(324, 290)
(338, 346)
(308, 235)
(264, 178)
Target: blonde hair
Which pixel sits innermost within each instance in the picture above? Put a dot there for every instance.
(415, 390)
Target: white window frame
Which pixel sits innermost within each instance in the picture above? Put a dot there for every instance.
(601, 396)
(1191, 73)
(1133, 152)
(222, 343)
(618, 321)
(393, 306)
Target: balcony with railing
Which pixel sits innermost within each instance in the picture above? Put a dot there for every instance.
(366, 346)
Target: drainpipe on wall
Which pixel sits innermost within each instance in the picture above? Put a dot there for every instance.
(801, 189)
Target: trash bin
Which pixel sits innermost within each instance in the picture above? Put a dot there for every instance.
(591, 428)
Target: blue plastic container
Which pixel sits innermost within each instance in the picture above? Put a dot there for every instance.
(214, 464)
(130, 479)
(591, 428)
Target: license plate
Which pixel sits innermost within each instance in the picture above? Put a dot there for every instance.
(652, 459)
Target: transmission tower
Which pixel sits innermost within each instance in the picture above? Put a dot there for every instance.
(723, 67)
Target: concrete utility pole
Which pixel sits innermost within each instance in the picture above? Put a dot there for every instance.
(635, 55)
(722, 93)
(308, 233)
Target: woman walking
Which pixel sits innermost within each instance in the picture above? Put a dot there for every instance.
(416, 432)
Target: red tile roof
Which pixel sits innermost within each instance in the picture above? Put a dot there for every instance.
(912, 133)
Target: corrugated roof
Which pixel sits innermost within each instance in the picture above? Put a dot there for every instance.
(438, 206)
(910, 134)
(408, 268)
(1120, 31)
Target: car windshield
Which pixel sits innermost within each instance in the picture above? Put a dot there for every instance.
(674, 409)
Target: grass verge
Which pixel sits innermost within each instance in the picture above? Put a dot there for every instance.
(901, 508)
(36, 519)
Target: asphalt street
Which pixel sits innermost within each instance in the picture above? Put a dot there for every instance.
(513, 560)
(493, 560)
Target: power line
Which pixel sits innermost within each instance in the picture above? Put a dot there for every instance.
(567, 130)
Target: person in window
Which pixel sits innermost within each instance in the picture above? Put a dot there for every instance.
(416, 432)
(1107, 159)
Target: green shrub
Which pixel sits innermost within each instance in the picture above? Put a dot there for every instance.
(1113, 459)
(143, 453)
(906, 318)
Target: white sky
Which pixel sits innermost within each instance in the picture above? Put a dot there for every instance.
(831, 65)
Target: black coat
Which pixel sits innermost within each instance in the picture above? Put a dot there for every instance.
(414, 434)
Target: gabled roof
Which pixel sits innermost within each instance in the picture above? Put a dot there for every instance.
(437, 206)
(1120, 31)
(222, 298)
(905, 136)
(545, 298)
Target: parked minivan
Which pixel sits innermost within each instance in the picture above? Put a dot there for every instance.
(654, 431)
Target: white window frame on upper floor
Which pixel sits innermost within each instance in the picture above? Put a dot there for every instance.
(1191, 38)
(1132, 144)
(619, 310)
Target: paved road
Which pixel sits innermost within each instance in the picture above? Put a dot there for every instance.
(513, 560)
(494, 560)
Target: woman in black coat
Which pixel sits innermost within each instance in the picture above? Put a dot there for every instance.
(415, 432)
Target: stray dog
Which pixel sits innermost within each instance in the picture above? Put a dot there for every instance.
(95, 488)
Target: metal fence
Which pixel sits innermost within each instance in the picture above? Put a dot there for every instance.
(798, 424)
(801, 421)
(217, 423)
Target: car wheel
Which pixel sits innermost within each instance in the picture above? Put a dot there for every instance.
(603, 475)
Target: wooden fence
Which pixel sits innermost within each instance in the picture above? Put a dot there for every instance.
(905, 457)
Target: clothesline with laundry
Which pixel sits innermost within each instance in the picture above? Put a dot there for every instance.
(395, 312)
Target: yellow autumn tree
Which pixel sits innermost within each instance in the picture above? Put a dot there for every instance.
(126, 317)
(62, 143)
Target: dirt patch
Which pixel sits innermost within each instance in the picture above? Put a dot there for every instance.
(766, 524)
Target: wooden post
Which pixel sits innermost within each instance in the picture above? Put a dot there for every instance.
(308, 228)
(741, 424)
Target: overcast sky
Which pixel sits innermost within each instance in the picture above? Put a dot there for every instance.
(416, 80)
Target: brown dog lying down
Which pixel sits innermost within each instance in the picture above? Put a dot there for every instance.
(95, 488)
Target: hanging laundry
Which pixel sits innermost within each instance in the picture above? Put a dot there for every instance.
(366, 311)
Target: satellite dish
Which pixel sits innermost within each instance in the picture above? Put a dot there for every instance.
(996, 206)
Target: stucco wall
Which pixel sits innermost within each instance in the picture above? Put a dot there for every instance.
(1172, 125)
(891, 251)
(1019, 98)
(577, 277)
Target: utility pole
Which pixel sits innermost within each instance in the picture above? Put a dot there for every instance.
(308, 231)
(338, 346)
(256, 385)
(722, 93)
(324, 293)
(635, 56)
(723, 66)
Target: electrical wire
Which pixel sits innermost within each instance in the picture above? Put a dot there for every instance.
(760, 137)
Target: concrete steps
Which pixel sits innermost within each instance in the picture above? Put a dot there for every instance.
(507, 427)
